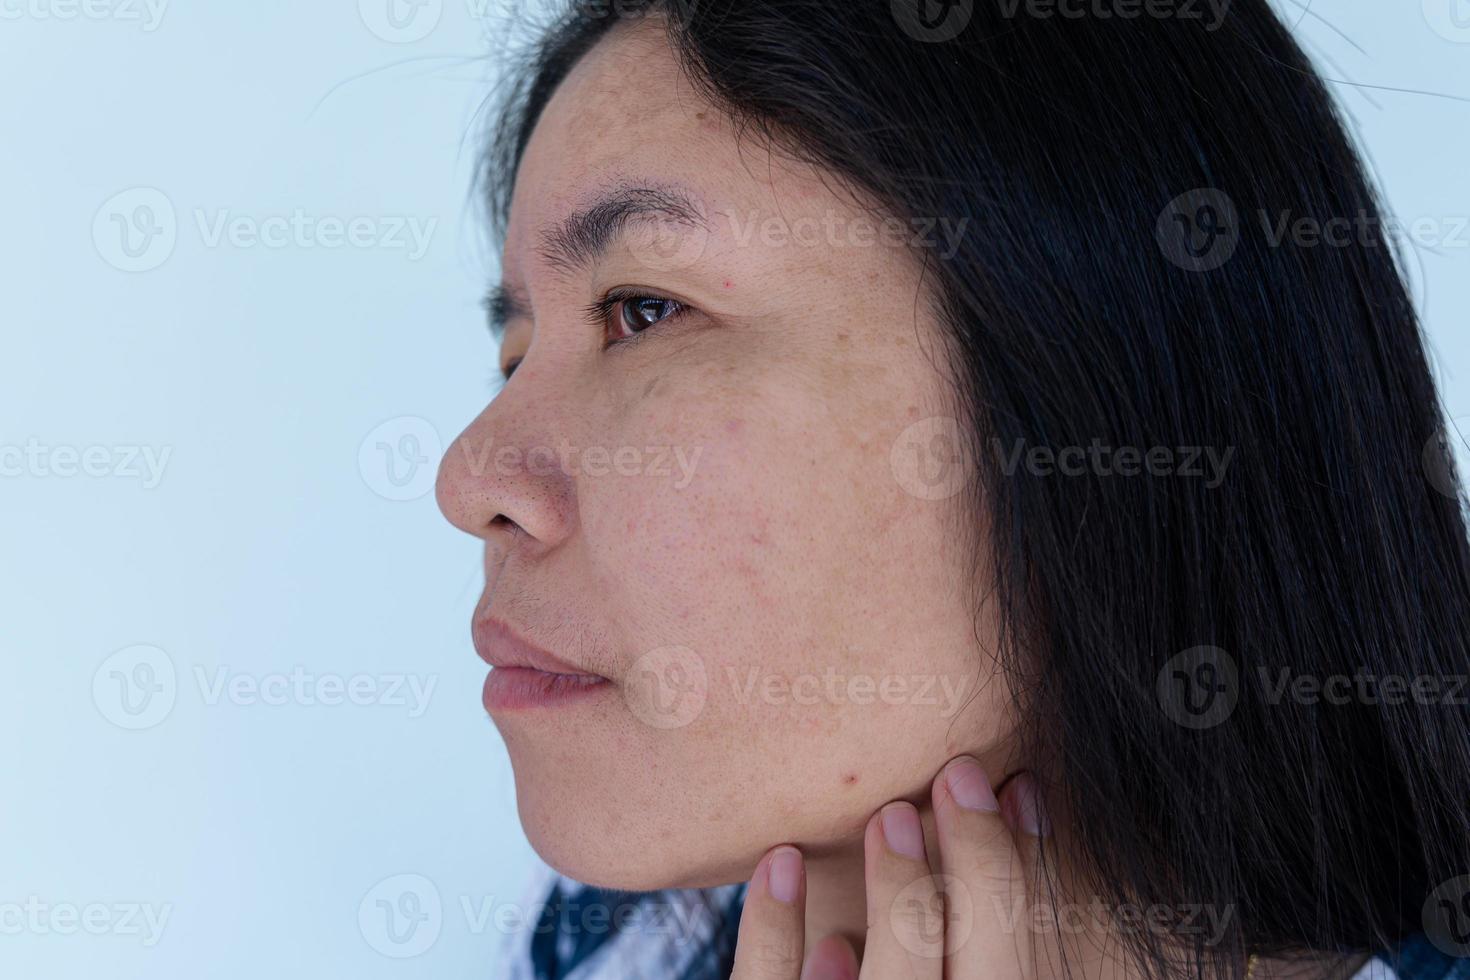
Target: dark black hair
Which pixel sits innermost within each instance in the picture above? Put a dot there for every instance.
(1123, 282)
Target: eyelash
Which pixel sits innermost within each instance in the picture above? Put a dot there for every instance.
(600, 315)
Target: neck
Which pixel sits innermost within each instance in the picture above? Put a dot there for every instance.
(836, 904)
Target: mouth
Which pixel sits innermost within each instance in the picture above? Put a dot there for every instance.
(524, 676)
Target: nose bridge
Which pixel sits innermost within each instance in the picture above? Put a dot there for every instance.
(504, 472)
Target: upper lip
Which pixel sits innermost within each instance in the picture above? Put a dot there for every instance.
(500, 646)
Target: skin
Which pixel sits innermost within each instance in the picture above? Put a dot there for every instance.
(794, 549)
(797, 549)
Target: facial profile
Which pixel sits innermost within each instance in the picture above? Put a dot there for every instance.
(780, 610)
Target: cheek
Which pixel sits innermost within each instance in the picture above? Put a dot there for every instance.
(816, 594)
(694, 544)
(751, 511)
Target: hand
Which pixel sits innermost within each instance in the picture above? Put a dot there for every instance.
(930, 916)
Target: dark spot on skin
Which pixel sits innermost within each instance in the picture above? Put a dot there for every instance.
(728, 284)
(652, 387)
(849, 779)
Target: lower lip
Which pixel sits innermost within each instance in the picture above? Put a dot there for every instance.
(516, 688)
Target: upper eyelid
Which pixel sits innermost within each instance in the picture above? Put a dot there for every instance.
(614, 297)
(503, 306)
(504, 303)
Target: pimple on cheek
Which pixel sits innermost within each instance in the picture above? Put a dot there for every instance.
(850, 779)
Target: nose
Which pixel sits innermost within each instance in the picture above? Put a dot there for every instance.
(503, 479)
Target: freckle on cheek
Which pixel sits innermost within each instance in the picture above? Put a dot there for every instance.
(850, 779)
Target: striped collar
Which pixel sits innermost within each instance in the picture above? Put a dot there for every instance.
(589, 933)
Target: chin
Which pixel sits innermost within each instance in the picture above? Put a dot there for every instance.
(609, 842)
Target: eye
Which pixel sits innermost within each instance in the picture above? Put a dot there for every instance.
(643, 312)
(624, 314)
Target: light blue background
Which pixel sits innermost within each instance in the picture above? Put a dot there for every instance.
(270, 543)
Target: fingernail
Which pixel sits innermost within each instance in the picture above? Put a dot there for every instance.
(831, 959)
(784, 874)
(902, 831)
(1030, 813)
(969, 786)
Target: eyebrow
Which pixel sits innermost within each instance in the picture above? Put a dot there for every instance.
(586, 234)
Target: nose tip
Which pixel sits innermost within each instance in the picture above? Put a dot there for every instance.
(485, 488)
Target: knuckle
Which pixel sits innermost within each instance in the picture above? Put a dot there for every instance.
(918, 915)
(774, 958)
(985, 857)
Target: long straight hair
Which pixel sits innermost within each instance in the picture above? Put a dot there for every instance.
(1133, 276)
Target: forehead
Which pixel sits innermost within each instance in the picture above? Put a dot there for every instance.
(624, 113)
(628, 115)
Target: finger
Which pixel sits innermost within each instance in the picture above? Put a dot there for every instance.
(831, 959)
(905, 910)
(772, 923)
(985, 865)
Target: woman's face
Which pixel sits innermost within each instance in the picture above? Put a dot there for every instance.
(740, 507)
